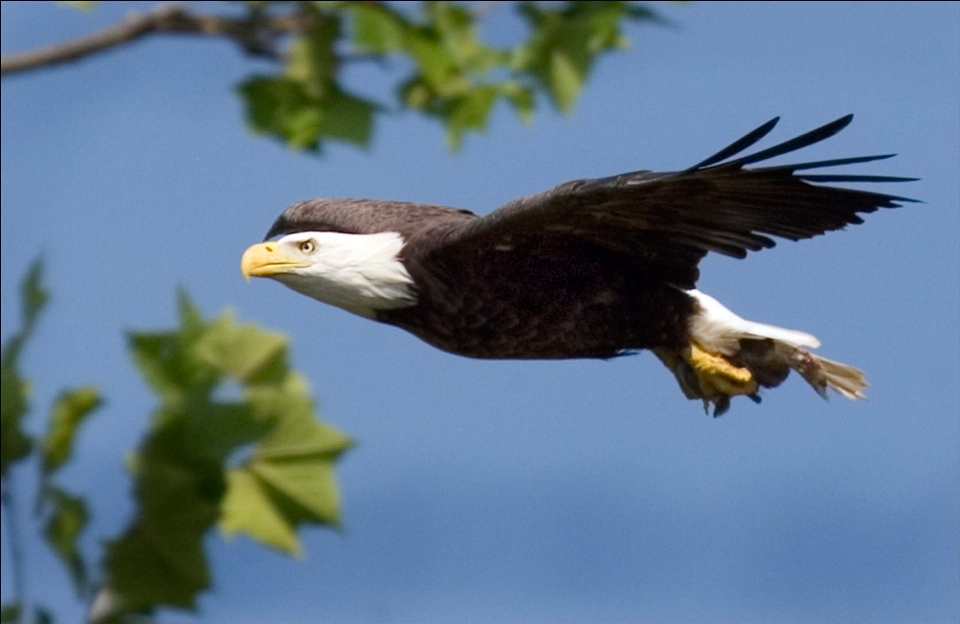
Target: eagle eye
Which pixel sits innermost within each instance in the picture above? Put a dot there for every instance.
(308, 246)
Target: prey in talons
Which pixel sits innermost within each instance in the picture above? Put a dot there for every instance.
(729, 356)
(709, 377)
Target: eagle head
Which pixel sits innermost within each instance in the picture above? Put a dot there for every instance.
(361, 273)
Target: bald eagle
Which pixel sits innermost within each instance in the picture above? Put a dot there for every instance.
(592, 268)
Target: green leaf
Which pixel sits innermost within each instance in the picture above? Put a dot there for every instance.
(288, 481)
(239, 350)
(176, 487)
(470, 113)
(157, 358)
(348, 118)
(33, 296)
(521, 97)
(65, 522)
(311, 60)
(14, 443)
(566, 79)
(307, 105)
(454, 28)
(168, 362)
(248, 508)
(566, 40)
(299, 435)
(282, 107)
(70, 409)
(10, 613)
(144, 575)
(433, 60)
(306, 484)
(82, 5)
(304, 128)
(377, 29)
(160, 559)
(42, 615)
(164, 363)
(191, 321)
(215, 430)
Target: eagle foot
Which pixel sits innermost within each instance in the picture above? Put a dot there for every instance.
(718, 379)
(710, 377)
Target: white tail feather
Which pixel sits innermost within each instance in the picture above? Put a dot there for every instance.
(719, 330)
(845, 379)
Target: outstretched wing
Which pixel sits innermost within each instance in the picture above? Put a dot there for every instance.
(669, 221)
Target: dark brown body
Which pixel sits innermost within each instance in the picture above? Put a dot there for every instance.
(542, 300)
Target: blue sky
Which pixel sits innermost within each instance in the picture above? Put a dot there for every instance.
(528, 491)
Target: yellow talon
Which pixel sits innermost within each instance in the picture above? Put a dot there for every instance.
(717, 376)
(710, 377)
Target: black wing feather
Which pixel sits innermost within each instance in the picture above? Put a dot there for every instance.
(738, 146)
(669, 221)
(666, 222)
(809, 138)
(854, 178)
(836, 162)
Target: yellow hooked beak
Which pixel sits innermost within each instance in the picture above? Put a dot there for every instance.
(266, 259)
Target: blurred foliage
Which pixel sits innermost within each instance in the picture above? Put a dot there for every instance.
(14, 443)
(452, 75)
(13, 612)
(62, 514)
(448, 72)
(187, 471)
(83, 5)
(257, 463)
(69, 411)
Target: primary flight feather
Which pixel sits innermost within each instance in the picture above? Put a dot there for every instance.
(589, 269)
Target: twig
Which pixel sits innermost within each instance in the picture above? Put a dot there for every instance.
(255, 35)
(483, 9)
(16, 553)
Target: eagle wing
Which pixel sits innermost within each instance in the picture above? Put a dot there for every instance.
(667, 222)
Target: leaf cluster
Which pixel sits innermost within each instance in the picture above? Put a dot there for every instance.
(258, 463)
(234, 442)
(453, 75)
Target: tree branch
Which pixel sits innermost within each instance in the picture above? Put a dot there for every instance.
(483, 9)
(255, 35)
